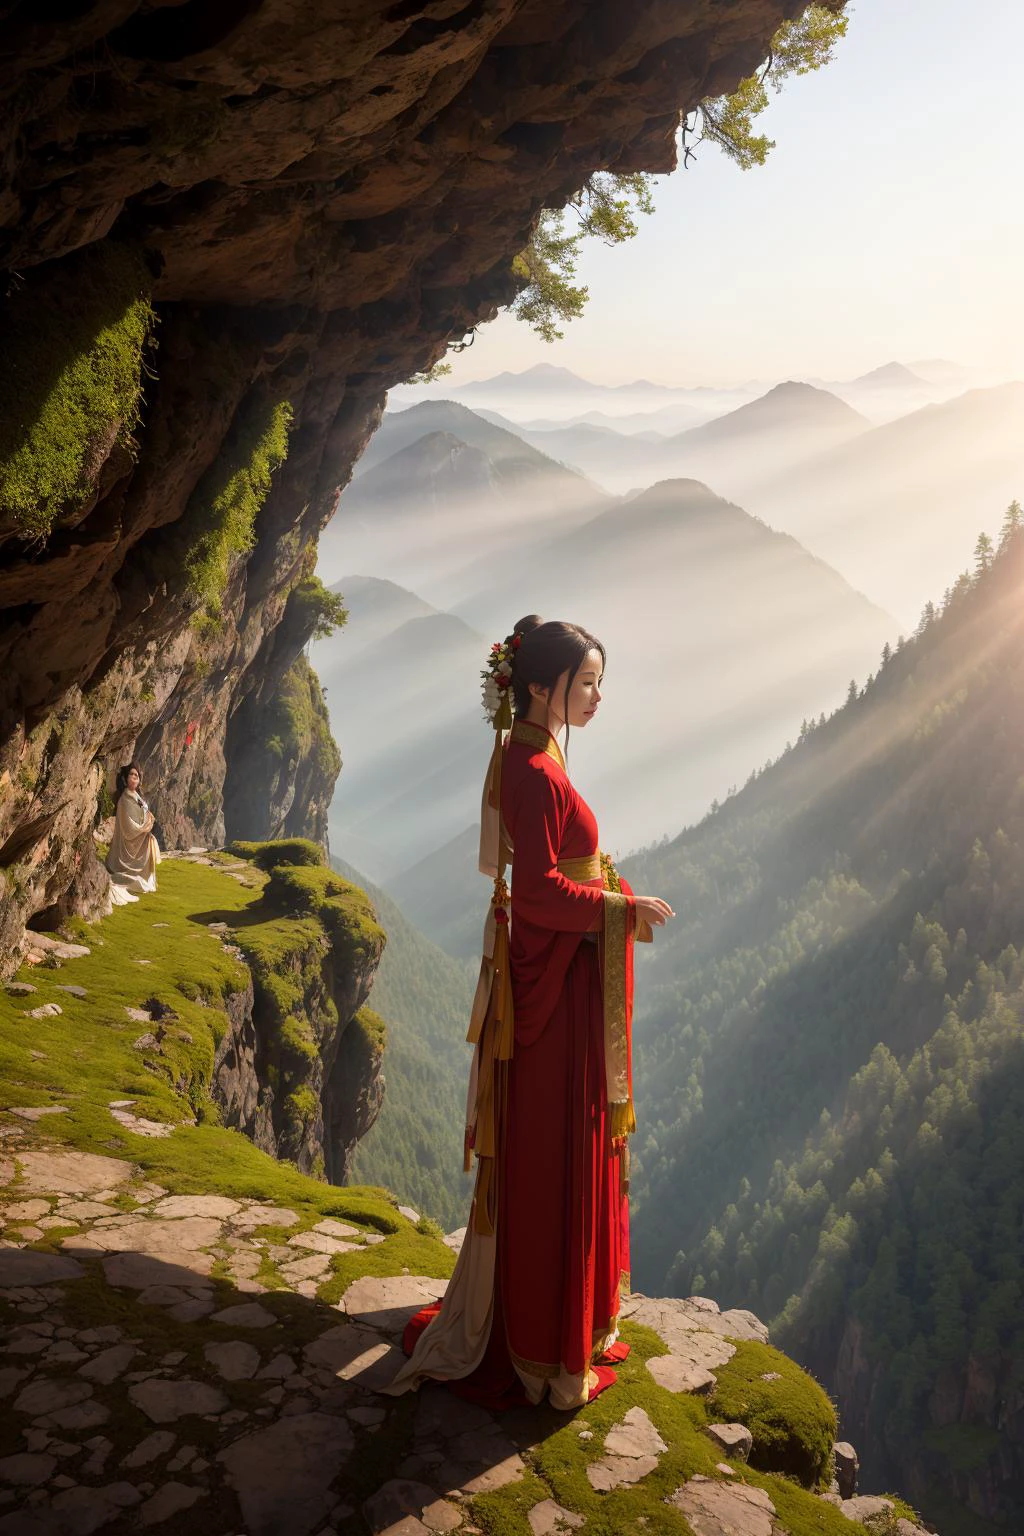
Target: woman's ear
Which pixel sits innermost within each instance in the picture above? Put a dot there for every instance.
(538, 691)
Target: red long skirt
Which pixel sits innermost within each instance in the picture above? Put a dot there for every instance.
(563, 1228)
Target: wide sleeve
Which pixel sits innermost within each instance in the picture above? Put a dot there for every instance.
(541, 894)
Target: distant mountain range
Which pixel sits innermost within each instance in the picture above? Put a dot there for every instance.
(447, 488)
(760, 438)
(705, 611)
(898, 508)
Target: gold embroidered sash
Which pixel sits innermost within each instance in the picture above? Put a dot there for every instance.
(586, 867)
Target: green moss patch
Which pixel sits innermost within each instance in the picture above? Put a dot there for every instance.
(220, 520)
(70, 379)
(792, 1419)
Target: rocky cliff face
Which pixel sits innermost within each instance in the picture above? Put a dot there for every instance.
(301, 1069)
(227, 231)
(974, 1448)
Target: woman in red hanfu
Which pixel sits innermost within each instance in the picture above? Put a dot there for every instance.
(532, 1306)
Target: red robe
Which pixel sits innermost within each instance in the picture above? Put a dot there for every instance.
(562, 1253)
(563, 1230)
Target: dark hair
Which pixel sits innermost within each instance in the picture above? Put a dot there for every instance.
(545, 651)
(122, 777)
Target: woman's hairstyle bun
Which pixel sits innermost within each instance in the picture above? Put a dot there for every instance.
(545, 651)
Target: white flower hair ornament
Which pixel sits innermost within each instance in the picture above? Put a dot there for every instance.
(496, 683)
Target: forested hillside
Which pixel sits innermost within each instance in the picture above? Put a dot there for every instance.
(415, 1147)
(830, 1062)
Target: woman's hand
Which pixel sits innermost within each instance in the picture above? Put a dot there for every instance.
(651, 909)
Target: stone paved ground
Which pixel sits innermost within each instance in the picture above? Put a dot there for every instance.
(166, 1366)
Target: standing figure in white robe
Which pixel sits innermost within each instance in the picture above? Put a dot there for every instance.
(134, 850)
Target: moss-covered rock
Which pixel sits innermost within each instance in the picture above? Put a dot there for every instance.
(792, 1419)
(285, 850)
(70, 381)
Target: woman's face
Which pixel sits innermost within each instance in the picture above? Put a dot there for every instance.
(134, 778)
(584, 695)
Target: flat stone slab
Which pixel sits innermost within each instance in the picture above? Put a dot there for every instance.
(154, 1445)
(26, 1470)
(164, 1402)
(454, 1241)
(862, 1507)
(635, 1436)
(83, 1210)
(549, 1519)
(233, 1361)
(70, 1172)
(139, 1125)
(734, 1439)
(311, 1267)
(686, 1330)
(246, 1314)
(39, 1111)
(46, 944)
(355, 1354)
(388, 1301)
(615, 1471)
(724, 1509)
(175, 1207)
(401, 1499)
(23, 1266)
(140, 1271)
(677, 1374)
(109, 1364)
(319, 1242)
(150, 1234)
(333, 1228)
(263, 1216)
(51, 1395)
(26, 1210)
(282, 1474)
(170, 1499)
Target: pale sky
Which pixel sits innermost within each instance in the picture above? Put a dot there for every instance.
(887, 223)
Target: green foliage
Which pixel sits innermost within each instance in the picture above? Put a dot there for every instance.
(792, 1420)
(220, 521)
(832, 1047)
(606, 206)
(284, 850)
(70, 379)
(605, 209)
(320, 612)
(798, 47)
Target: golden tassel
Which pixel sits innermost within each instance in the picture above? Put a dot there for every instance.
(622, 1119)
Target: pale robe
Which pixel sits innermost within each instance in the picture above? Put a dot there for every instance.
(134, 851)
